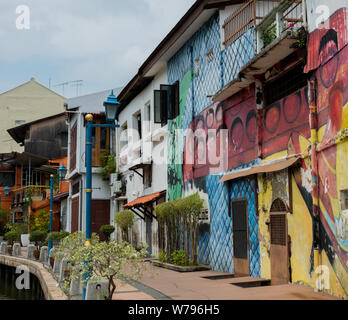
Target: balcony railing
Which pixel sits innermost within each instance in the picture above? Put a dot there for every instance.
(246, 17)
(287, 16)
(27, 193)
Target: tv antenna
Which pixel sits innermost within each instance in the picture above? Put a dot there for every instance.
(74, 83)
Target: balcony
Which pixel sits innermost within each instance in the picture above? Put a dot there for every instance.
(29, 193)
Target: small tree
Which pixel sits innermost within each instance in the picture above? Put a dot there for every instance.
(107, 230)
(38, 237)
(41, 221)
(12, 236)
(125, 220)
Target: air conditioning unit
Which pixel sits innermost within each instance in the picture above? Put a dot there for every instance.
(115, 184)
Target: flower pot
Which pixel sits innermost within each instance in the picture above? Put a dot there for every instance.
(37, 254)
(9, 250)
(52, 261)
(25, 240)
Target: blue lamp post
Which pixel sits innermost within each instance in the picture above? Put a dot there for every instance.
(61, 174)
(6, 193)
(111, 113)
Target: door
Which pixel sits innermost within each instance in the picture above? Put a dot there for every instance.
(100, 215)
(75, 214)
(148, 224)
(279, 248)
(240, 237)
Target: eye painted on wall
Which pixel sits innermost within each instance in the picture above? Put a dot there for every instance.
(199, 122)
(292, 107)
(210, 118)
(272, 117)
(237, 133)
(251, 125)
(219, 112)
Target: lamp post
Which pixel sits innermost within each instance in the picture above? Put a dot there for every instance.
(61, 175)
(111, 113)
(6, 193)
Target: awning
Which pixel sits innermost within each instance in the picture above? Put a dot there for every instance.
(261, 168)
(144, 200)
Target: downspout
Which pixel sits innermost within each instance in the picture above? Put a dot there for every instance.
(312, 95)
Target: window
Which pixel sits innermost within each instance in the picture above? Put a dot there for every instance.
(139, 125)
(344, 199)
(166, 103)
(148, 117)
(73, 146)
(123, 137)
(147, 176)
(204, 215)
(100, 144)
(282, 86)
(240, 229)
(6, 179)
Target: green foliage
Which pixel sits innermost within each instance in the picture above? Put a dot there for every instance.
(109, 165)
(12, 236)
(107, 230)
(20, 228)
(100, 260)
(162, 256)
(57, 236)
(302, 38)
(125, 220)
(178, 257)
(38, 237)
(269, 35)
(4, 217)
(41, 221)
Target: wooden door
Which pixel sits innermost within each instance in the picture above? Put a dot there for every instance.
(240, 237)
(279, 249)
(100, 215)
(75, 214)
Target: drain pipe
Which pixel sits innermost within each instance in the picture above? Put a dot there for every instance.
(312, 95)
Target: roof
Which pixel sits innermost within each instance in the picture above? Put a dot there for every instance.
(18, 133)
(261, 168)
(23, 158)
(194, 18)
(144, 200)
(91, 102)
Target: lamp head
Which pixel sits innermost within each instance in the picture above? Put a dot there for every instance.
(62, 171)
(7, 191)
(111, 107)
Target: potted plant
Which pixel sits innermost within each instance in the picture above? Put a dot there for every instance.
(108, 165)
(11, 237)
(38, 237)
(107, 230)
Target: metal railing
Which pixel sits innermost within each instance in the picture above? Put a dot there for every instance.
(246, 17)
(36, 193)
(287, 16)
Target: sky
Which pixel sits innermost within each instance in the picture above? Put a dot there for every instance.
(101, 42)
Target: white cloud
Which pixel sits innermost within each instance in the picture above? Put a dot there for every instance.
(103, 42)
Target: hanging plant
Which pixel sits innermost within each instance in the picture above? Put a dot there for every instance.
(109, 165)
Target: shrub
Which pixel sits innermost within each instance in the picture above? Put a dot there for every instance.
(107, 230)
(125, 220)
(4, 216)
(57, 236)
(38, 237)
(41, 221)
(162, 256)
(109, 165)
(12, 236)
(20, 228)
(178, 257)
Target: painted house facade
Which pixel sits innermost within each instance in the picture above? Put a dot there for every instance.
(263, 136)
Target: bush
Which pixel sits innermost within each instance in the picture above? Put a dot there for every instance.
(107, 230)
(162, 256)
(41, 221)
(109, 165)
(4, 216)
(20, 228)
(57, 236)
(178, 257)
(38, 237)
(125, 220)
(12, 236)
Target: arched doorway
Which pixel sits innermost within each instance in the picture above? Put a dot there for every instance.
(279, 243)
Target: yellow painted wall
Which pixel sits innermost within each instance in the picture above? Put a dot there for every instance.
(30, 101)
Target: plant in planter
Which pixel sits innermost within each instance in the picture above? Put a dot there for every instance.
(125, 220)
(56, 238)
(38, 237)
(107, 230)
(108, 165)
(11, 237)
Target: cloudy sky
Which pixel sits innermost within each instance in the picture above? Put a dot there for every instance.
(101, 42)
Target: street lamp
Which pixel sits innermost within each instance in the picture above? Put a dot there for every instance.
(111, 113)
(6, 193)
(61, 175)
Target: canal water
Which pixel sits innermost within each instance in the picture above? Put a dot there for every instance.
(9, 291)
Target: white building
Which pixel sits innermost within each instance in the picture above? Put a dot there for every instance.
(103, 141)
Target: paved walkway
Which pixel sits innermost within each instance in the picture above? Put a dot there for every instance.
(163, 284)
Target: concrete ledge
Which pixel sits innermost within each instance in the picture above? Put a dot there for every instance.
(200, 267)
(47, 282)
